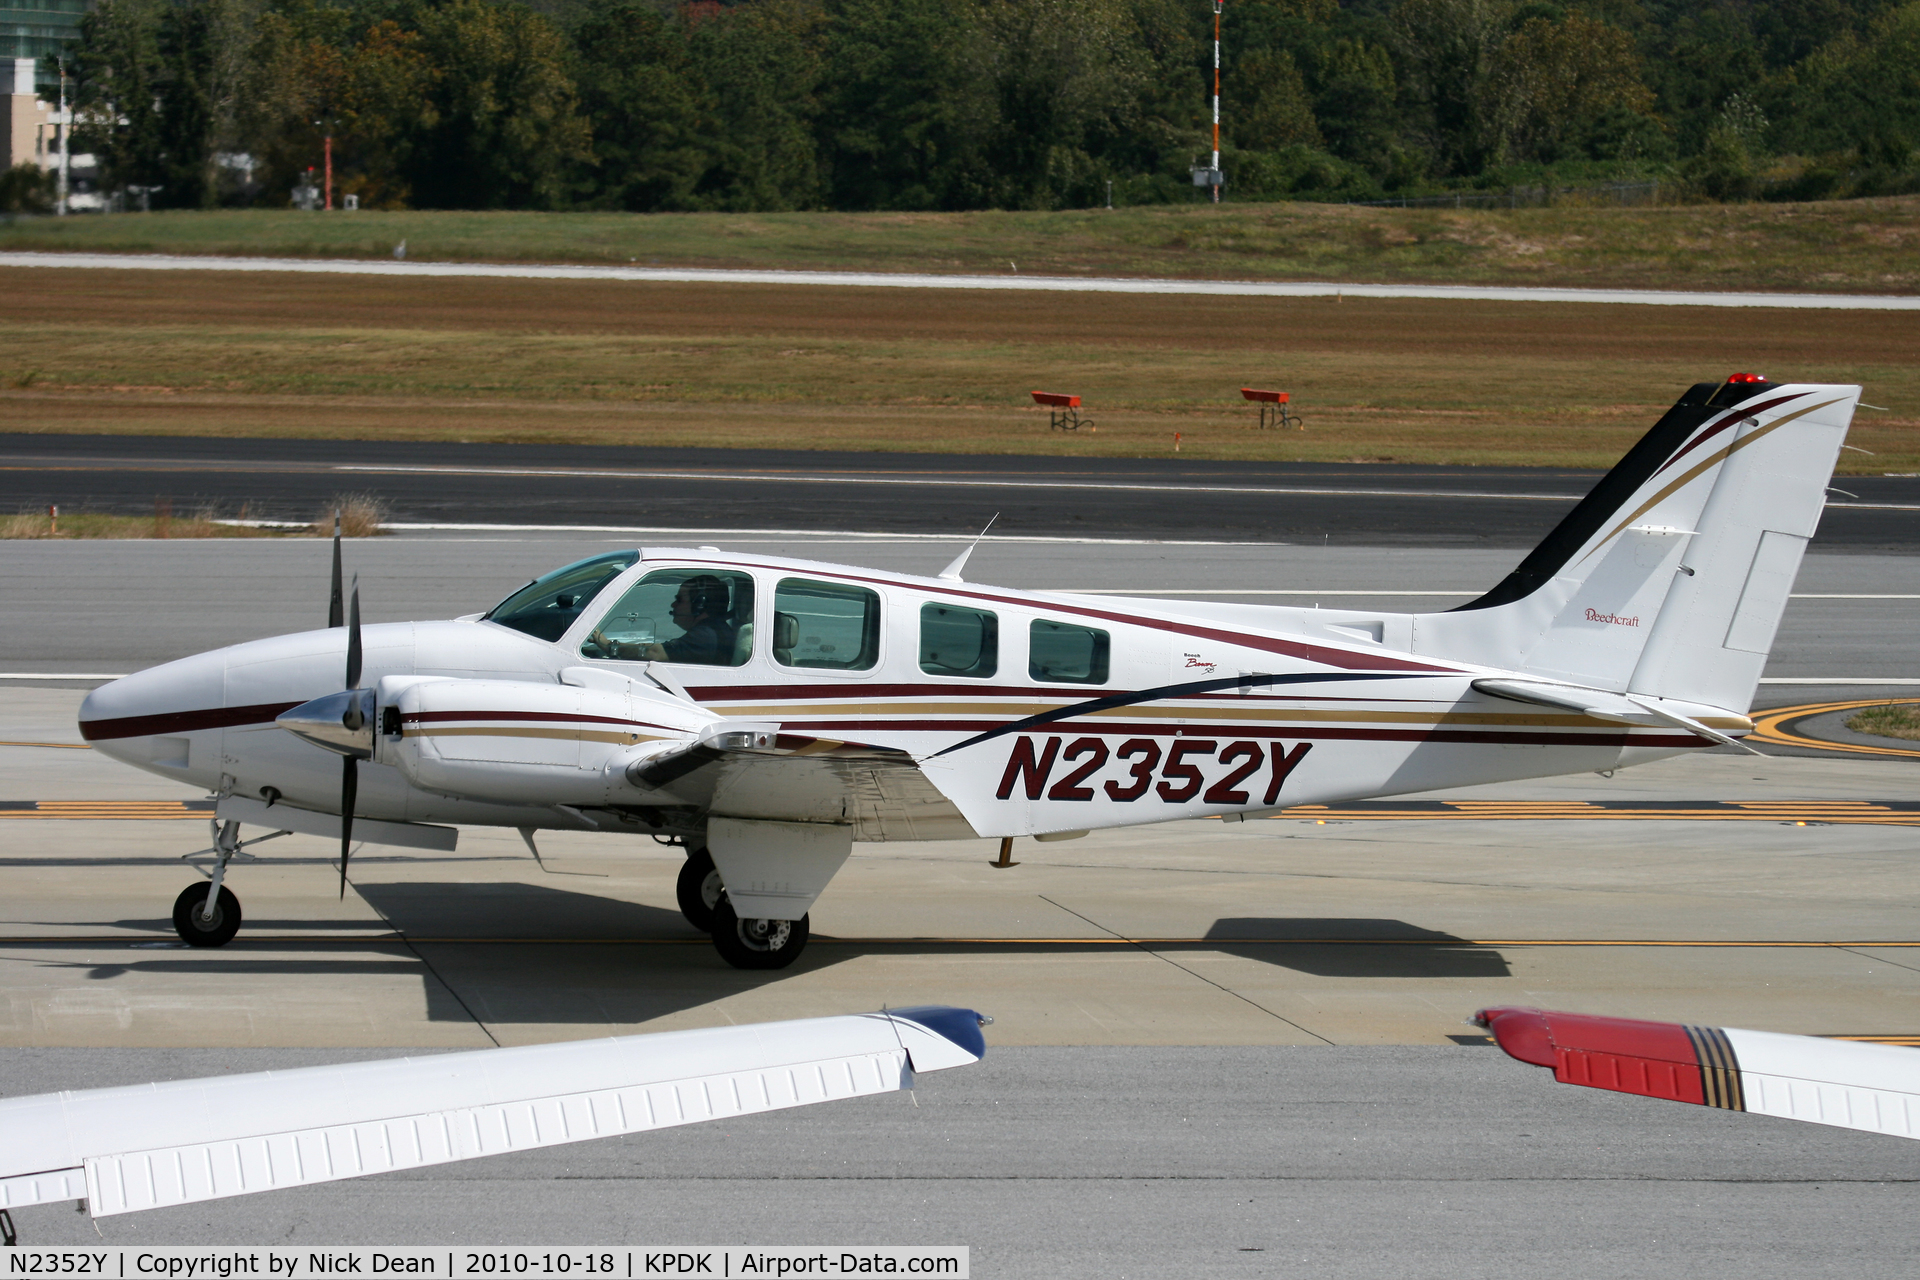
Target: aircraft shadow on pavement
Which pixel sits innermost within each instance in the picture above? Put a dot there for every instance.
(514, 909)
(1356, 948)
(568, 957)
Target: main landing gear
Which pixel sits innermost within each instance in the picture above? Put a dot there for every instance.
(744, 944)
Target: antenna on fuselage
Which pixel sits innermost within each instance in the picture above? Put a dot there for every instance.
(952, 572)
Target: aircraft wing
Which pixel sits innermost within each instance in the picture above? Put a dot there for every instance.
(1851, 1085)
(147, 1146)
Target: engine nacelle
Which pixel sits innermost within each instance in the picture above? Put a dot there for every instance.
(523, 743)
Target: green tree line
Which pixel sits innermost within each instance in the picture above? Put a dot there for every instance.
(962, 104)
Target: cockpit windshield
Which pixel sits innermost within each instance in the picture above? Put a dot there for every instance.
(548, 605)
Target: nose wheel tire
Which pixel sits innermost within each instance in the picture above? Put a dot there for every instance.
(757, 944)
(699, 890)
(199, 930)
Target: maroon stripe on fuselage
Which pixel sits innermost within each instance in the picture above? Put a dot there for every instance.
(183, 721)
(997, 692)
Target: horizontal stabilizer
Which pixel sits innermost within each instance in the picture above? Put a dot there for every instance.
(1850, 1085)
(1621, 708)
(146, 1146)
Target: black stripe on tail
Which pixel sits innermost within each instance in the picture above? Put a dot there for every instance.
(1619, 485)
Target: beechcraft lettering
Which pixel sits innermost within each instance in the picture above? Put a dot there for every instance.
(765, 713)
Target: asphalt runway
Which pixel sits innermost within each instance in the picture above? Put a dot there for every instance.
(1221, 1049)
(1013, 280)
(725, 489)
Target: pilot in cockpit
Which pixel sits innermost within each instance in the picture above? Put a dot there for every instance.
(700, 611)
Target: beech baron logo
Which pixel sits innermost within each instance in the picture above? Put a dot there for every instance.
(1245, 766)
(1594, 615)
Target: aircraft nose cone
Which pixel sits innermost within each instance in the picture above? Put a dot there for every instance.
(340, 722)
(174, 698)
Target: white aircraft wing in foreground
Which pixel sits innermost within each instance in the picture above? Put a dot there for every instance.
(1851, 1085)
(152, 1145)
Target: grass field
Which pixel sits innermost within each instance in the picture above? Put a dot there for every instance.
(39, 525)
(751, 365)
(1868, 246)
(1895, 720)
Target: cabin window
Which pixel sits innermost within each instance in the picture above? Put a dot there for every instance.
(825, 625)
(1059, 651)
(958, 642)
(695, 616)
(549, 605)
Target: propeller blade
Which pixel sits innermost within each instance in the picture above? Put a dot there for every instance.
(336, 608)
(353, 638)
(349, 793)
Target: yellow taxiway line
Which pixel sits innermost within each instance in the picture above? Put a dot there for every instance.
(1777, 725)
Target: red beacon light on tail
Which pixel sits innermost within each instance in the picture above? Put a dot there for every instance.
(1747, 377)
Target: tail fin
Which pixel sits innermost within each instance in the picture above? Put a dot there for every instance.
(1669, 578)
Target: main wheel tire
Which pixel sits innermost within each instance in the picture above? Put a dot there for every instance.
(197, 930)
(699, 890)
(757, 944)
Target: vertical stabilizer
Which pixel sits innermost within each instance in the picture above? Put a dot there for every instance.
(1669, 579)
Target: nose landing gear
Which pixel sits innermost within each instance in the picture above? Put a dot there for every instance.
(195, 926)
(208, 915)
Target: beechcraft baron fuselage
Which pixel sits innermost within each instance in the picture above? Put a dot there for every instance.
(768, 712)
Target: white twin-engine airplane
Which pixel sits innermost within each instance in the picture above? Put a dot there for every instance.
(766, 713)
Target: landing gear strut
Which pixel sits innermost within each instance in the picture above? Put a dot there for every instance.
(209, 915)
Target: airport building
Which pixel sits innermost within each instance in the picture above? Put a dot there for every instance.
(32, 32)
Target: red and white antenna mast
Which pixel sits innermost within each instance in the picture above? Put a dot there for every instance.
(1215, 166)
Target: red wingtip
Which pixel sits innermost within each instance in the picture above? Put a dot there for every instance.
(1657, 1059)
(1523, 1033)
